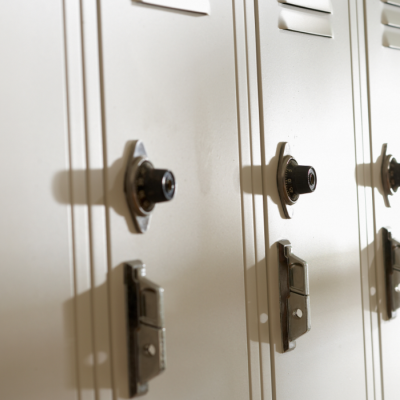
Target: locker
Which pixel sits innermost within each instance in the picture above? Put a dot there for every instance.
(37, 336)
(175, 80)
(383, 65)
(309, 85)
(218, 93)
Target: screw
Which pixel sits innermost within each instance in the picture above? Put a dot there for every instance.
(298, 313)
(149, 350)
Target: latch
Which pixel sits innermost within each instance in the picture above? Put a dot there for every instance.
(391, 249)
(294, 296)
(145, 186)
(293, 180)
(390, 172)
(145, 328)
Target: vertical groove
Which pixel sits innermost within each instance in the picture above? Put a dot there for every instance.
(359, 200)
(242, 200)
(261, 119)
(254, 205)
(373, 185)
(72, 236)
(105, 188)
(89, 208)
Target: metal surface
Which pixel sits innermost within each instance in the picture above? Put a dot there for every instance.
(392, 272)
(145, 328)
(307, 100)
(294, 296)
(160, 84)
(38, 346)
(384, 105)
(317, 5)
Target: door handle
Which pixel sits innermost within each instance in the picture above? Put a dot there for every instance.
(391, 249)
(294, 296)
(145, 328)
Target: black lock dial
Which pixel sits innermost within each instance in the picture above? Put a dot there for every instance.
(154, 186)
(299, 179)
(394, 174)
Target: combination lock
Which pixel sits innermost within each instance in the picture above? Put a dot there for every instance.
(390, 175)
(293, 180)
(145, 186)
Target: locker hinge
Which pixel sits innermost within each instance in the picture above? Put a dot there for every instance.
(294, 296)
(145, 328)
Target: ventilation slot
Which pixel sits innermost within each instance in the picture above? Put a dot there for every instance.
(316, 5)
(305, 22)
(392, 2)
(391, 20)
(197, 6)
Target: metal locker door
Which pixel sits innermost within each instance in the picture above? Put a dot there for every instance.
(383, 43)
(305, 60)
(169, 78)
(37, 343)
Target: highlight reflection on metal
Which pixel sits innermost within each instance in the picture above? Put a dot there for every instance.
(197, 6)
(298, 21)
(317, 5)
(145, 328)
(391, 249)
(392, 2)
(294, 296)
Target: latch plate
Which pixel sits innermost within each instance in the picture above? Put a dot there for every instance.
(294, 296)
(145, 328)
(392, 272)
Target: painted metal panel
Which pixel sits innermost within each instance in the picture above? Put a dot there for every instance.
(169, 79)
(37, 337)
(307, 100)
(384, 86)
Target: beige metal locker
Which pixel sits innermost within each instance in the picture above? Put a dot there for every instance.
(212, 89)
(382, 44)
(37, 335)
(310, 90)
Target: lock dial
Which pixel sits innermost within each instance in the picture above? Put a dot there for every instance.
(293, 180)
(299, 179)
(145, 186)
(390, 175)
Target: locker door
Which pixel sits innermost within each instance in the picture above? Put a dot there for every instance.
(37, 343)
(169, 78)
(384, 85)
(305, 58)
